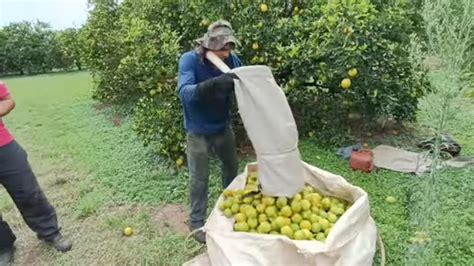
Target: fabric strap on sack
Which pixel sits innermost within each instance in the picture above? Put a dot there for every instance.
(270, 125)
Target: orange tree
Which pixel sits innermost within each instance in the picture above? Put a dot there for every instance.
(311, 46)
(336, 60)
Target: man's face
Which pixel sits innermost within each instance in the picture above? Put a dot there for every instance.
(223, 53)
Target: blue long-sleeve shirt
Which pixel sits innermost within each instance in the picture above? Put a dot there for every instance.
(203, 115)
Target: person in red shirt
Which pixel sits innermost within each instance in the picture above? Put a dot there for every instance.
(20, 182)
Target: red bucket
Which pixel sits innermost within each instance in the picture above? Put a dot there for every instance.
(362, 160)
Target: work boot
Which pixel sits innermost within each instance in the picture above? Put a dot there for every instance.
(6, 256)
(200, 235)
(60, 243)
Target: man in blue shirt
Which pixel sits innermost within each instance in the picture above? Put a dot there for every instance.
(206, 94)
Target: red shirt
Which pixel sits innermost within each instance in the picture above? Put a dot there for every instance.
(5, 136)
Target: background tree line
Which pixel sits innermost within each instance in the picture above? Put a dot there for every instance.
(31, 48)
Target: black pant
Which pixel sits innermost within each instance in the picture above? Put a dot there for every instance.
(20, 182)
(199, 149)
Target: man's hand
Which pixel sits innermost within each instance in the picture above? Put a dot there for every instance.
(6, 105)
(224, 82)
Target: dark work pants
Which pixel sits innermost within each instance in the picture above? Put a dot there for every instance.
(199, 148)
(20, 182)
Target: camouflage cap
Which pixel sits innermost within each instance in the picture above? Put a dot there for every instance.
(218, 35)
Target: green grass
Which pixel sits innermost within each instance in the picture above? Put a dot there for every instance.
(56, 111)
(89, 167)
(102, 179)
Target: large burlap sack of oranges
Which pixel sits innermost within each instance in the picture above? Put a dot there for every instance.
(327, 223)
